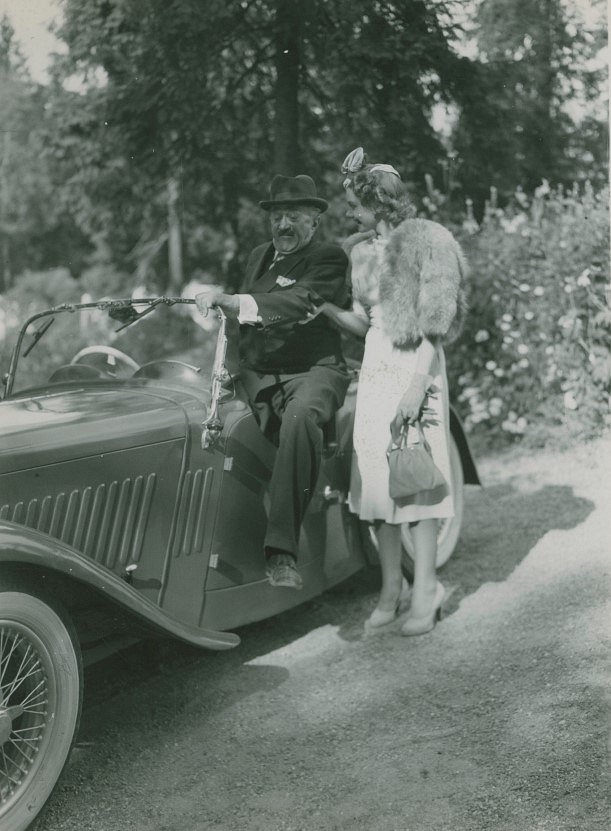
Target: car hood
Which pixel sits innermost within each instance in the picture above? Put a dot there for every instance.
(70, 424)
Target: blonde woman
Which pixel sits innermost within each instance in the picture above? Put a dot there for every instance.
(407, 294)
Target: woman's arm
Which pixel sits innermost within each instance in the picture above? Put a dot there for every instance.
(410, 405)
(346, 319)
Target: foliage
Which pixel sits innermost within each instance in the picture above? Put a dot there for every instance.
(189, 91)
(535, 357)
(522, 102)
(36, 230)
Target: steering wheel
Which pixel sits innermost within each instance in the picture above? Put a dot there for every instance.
(112, 361)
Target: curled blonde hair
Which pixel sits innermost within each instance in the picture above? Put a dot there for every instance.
(383, 193)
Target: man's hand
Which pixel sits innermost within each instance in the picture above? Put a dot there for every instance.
(210, 298)
(410, 405)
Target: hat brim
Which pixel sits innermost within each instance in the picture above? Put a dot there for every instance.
(308, 201)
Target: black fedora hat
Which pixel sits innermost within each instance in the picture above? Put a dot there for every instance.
(300, 190)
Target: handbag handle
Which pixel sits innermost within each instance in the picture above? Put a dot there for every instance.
(402, 442)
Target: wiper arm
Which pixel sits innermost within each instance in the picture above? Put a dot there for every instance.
(127, 314)
(38, 335)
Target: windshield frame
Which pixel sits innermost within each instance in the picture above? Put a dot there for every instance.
(149, 303)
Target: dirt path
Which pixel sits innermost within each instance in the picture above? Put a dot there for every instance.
(496, 721)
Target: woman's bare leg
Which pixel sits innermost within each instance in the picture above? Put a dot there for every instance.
(424, 535)
(389, 549)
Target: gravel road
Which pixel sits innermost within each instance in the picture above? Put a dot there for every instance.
(495, 721)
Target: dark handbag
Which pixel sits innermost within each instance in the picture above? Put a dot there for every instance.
(411, 466)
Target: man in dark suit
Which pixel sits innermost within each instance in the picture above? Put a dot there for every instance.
(294, 375)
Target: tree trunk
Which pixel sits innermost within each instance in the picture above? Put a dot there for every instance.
(5, 249)
(546, 88)
(288, 60)
(174, 237)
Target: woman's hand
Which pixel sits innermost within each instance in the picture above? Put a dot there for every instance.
(349, 243)
(410, 405)
(314, 312)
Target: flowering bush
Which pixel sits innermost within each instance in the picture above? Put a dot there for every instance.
(535, 356)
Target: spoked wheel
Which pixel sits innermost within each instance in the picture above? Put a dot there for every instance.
(40, 703)
(449, 529)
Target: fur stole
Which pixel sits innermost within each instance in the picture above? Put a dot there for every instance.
(422, 291)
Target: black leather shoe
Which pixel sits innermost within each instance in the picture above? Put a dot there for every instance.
(282, 571)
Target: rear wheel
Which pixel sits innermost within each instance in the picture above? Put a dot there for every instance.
(40, 702)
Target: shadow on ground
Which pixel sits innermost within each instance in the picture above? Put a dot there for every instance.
(502, 524)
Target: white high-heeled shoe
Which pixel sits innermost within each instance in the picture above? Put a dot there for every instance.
(380, 618)
(424, 624)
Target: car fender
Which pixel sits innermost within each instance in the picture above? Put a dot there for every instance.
(20, 545)
(470, 474)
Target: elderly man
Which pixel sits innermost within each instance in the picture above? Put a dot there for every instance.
(294, 375)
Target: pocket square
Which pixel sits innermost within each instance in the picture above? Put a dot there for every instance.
(283, 282)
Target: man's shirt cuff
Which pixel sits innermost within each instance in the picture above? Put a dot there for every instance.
(249, 311)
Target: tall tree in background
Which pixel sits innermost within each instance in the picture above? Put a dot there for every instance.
(35, 231)
(515, 126)
(220, 96)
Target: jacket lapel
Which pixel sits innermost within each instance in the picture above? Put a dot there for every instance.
(258, 267)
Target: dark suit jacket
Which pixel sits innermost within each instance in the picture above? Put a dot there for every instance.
(280, 345)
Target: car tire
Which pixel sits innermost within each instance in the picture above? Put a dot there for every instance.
(40, 701)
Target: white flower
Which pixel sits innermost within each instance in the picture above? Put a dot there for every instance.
(584, 278)
(498, 372)
(568, 289)
(543, 189)
(496, 402)
(521, 424)
(507, 339)
(569, 401)
(524, 287)
(510, 226)
(523, 363)
(523, 349)
(481, 336)
(504, 326)
(538, 291)
(565, 322)
(490, 365)
(495, 297)
(462, 380)
(529, 315)
(507, 317)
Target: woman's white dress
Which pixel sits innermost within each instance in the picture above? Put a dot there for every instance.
(385, 375)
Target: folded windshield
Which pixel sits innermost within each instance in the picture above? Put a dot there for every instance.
(110, 339)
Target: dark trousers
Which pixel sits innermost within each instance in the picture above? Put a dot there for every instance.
(292, 413)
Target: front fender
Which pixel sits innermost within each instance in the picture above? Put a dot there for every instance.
(25, 546)
(470, 474)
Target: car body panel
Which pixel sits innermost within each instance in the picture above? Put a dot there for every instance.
(25, 546)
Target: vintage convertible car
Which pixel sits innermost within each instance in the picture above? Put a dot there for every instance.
(133, 501)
